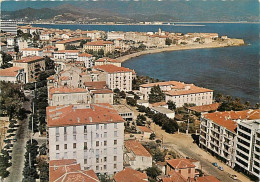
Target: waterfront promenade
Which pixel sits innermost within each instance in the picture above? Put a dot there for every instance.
(235, 42)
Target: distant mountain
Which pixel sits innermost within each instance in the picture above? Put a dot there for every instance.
(135, 11)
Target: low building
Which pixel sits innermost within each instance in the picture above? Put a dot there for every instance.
(68, 170)
(13, 74)
(67, 95)
(92, 134)
(130, 175)
(87, 59)
(124, 111)
(136, 155)
(32, 66)
(32, 52)
(145, 131)
(174, 176)
(207, 179)
(169, 113)
(106, 61)
(181, 166)
(9, 26)
(102, 96)
(106, 46)
(204, 108)
(61, 45)
(71, 55)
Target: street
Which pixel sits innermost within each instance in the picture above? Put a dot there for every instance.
(16, 170)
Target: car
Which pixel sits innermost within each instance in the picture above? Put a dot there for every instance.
(215, 164)
(233, 176)
(221, 168)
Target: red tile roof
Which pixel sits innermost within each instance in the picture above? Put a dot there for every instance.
(145, 129)
(112, 68)
(207, 179)
(60, 90)
(180, 163)
(29, 59)
(31, 49)
(8, 72)
(95, 85)
(205, 108)
(136, 148)
(103, 91)
(108, 60)
(82, 115)
(130, 175)
(174, 177)
(85, 55)
(99, 43)
(226, 119)
(73, 40)
(67, 170)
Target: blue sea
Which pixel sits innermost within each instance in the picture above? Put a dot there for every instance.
(231, 70)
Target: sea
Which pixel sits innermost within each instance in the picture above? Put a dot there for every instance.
(231, 71)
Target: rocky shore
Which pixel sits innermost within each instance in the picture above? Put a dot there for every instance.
(227, 43)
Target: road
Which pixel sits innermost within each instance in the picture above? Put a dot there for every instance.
(184, 144)
(16, 170)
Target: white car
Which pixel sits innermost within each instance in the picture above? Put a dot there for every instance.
(233, 176)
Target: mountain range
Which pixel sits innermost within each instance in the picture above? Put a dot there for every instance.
(131, 11)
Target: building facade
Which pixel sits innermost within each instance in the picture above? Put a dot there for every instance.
(9, 26)
(12, 74)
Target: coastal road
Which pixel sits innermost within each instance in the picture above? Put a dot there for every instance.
(184, 144)
(16, 170)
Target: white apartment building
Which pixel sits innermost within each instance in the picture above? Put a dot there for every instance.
(219, 134)
(22, 44)
(91, 134)
(66, 55)
(12, 74)
(32, 52)
(136, 155)
(180, 93)
(117, 77)
(248, 144)
(115, 35)
(9, 26)
(45, 36)
(67, 95)
(87, 59)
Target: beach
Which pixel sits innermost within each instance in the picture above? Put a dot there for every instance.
(232, 42)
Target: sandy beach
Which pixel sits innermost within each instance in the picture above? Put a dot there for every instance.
(179, 48)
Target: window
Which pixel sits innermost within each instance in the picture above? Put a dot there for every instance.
(74, 129)
(97, 135)
(105, 151)
(74, 137)
(74, 145)
(57, 147)
(97, 160)
(97, 151)
(115, 166)
(97, 167)
(65, 146)
(85, 145)
(97, 127)
(105, 159)
(65, 130)
(85, 161)
(105, 143)
(115, 142)
(57, 155)
(57, 131)
(105, 134)
(115, 125)
(115, 133)
(105, 126)
(57, 138)
(189, 170)
(85, 136)
(115, 158)
(97, 143)
(85, 129)
(105, 167)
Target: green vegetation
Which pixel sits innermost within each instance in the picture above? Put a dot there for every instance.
(71, 47)
(156, 94)
(140, 120)
(4, 164)
(6, 59)
(153, 172)
(168, 41)
(171, 105)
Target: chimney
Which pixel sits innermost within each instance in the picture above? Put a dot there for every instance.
(90, 119)
(78, 119)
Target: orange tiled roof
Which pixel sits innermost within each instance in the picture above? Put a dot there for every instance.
(82, 115)
(59, 90)
(67, 170)
(207, 179)
(31, 49)
(95, 85)
(29, 59)
(180, 163)
(157, 104)
(8, 72)
(112, 68)
(193, 89)
(85, 55)
(103, 91)
(108, 60)
(99, 43)
(130, 175)
(226, 119)
(205, 108)
(72, 40)
(145, 129)
(136, 148)
(174, 177)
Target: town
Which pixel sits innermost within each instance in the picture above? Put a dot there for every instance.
(71, 112)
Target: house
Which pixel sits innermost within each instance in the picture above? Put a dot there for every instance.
(32, 66)
(92, 134)
(66, 95)
(32, 52)
(13, 74)
(61, 45)
(117, 77)
(102, 96)
(136, 155)
(204, 108)
(145, 131)
(87, 59)
(181, 166)
(71, 55)
(130, 175)
(169, 113)
(106, 60)
(124, 111)
(106, 46)
(174, 176)
(68, 170)
(207, 179)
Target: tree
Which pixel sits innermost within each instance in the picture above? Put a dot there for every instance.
(168, 41)
(6, 59)
(158, 156)
(156, 94)
(153, 172)
(70, 47)
(44, 170)
(152, 136)
(49, 63)
(130, 101)
(171, 105)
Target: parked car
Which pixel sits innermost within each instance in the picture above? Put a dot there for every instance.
(215, 164)
(233, 176)
(221, 168)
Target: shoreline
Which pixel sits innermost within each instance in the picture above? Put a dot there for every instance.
(175, 48)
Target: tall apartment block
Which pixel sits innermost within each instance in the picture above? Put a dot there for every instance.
(9, 26)
(91, 134)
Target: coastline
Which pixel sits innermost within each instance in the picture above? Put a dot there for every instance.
(176, 48)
